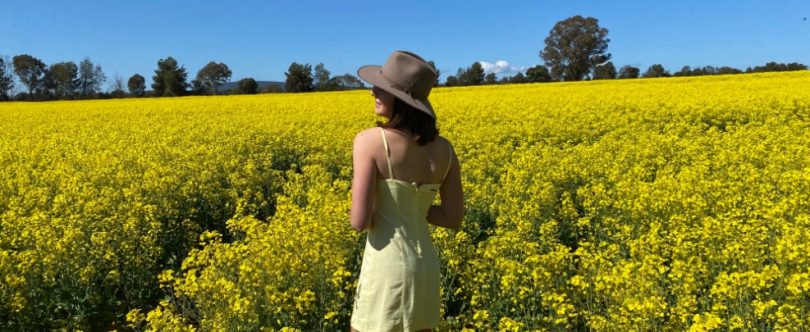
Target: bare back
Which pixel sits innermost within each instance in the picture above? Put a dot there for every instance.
(411, 162)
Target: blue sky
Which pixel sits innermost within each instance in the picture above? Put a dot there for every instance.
(260, 39)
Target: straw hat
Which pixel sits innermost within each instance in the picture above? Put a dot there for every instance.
(405, 75)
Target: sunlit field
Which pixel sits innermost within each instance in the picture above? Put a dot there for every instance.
(649, 204)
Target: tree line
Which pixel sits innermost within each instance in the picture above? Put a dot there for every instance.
(67, 80)
(575, 50)
(475, 75)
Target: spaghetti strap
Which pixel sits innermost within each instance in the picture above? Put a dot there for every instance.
(449, 163)
(387, 154)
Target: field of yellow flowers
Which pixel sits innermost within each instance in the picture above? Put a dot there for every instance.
(655, 204)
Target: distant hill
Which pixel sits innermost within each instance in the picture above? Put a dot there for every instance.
(262, 85)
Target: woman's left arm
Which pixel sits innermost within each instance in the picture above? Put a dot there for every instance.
(363, 182)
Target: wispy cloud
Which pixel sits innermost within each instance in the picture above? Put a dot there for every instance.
(502, 68)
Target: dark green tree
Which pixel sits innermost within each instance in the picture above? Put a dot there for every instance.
(6, 78)
(451, 81)
(31, 72)
(461, 77)
(91, 77)
(212, 76)
(491, 78)
(299, 78)
(538, 73)
(247, 86)
(472, 75)
(518, 78)
(656, 70)
(321, 80)
(169, 78)
(137, 85)
(685, 71)
(575, 46)
(65, 76)
(475, 74)
(47, 90)
(607, 71)
(726, 70)
(629, 72)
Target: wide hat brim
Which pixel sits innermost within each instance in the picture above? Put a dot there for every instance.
(373, 74)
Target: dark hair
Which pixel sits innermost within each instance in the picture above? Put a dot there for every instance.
(405, 116)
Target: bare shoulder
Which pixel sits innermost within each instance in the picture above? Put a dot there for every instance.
(367, 137)
(443, 143)
(368, 132)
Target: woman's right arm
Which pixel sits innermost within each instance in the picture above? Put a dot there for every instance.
(451, 212)
(363, 182)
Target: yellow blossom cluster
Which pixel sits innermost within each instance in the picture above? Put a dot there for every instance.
(657, 204)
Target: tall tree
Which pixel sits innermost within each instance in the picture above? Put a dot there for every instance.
(246, 85)
(656, 70)
(169, 79)
(47, 90)
(137, 85)
(461, 77)
(628, 72)
(321, 80)
(91, 77)
(606, 71)
(213, 75)
(31, 72)
(299, 78)
(451, 81)
(65, 76)
(491, 78)
(538, 73)
(473, 75)
(6, 78)
(476, 73)
(574, 46)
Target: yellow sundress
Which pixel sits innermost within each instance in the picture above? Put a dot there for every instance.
(398, 288)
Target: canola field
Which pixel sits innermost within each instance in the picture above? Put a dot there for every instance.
(653, 204)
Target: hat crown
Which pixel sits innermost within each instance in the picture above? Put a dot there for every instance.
(409, 73)
(405, 75)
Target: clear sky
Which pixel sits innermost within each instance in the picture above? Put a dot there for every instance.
(260, 39)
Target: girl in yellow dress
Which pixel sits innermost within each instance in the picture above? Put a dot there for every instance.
(399, 167)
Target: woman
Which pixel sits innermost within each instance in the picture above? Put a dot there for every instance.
(399, 167)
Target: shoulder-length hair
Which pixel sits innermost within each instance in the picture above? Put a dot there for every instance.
(405, 116)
